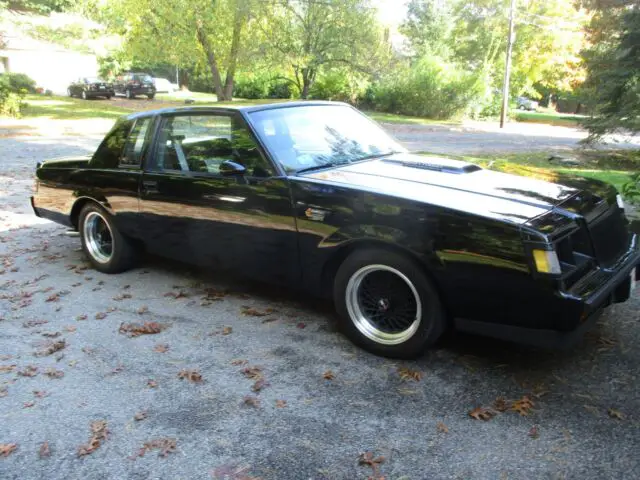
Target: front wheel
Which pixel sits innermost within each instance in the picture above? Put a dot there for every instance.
(387, 304)
(107, 249)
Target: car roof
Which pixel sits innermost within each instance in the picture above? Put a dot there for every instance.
(232, 108)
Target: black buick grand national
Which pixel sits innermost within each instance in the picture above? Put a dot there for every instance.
(315, 196)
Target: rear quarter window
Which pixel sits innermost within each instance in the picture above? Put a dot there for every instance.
(110, 150)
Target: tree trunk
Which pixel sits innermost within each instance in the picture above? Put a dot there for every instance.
(308, 77)
(212, 61)
(238, 22)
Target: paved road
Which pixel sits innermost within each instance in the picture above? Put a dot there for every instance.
(569, 434)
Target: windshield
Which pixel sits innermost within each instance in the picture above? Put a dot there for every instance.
(141, 77)
(302, 138)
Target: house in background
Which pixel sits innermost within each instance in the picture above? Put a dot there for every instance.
(52, 66)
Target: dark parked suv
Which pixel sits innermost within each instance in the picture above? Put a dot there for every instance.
(131, 84)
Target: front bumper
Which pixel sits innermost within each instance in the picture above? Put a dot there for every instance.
(579, 308)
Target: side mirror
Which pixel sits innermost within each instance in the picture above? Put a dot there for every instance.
(232, 168)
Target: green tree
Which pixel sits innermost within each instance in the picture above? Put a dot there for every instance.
(310, 36)
(428, 27)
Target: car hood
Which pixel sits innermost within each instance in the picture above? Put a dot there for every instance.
(78, 161)
(452, 184)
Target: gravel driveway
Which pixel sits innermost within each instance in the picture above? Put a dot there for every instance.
(66, 361)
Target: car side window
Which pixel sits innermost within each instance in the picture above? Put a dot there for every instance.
(200, 143)
(133, 150)
(108, 153)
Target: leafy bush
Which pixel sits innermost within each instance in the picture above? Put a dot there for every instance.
(430, 88)
(631, 190)
(279, 89)
(340, 86)
(251, 86)
(20, 81)
(11, 101)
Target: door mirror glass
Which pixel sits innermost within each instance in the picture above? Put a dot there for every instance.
(232, 168)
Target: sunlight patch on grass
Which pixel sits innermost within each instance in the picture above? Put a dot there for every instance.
(64, 108)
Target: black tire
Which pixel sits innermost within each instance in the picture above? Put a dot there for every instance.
(423, 332)
(128, 94)
(150, 97)
(123, 253)
(109, 97)
(84, 95)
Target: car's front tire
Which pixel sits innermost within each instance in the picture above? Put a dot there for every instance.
(107, 249)
(387, 304)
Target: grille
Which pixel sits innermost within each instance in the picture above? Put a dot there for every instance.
(610, 236)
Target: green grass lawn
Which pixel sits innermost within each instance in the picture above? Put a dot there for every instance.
(65, 108)
(548, 117)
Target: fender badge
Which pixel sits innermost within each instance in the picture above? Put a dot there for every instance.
(315, 214)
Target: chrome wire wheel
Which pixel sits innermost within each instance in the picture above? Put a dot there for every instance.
(98, 237)
(383, 304)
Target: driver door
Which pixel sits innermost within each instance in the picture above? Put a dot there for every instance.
(209, 196)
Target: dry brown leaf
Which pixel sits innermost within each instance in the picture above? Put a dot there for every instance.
(523, 406)
(34, 323)
(238, 361)
(409, 374)
(40, 393)
(142, 310)
(70, 328)
(99, 432)
(7, 449)
(136, 329)
(328, 375)
(368, 459)
(101, 315)
(140, 416)
(165, 445)
(81, 317)
(233, 472)
(191, 375)
(7, 368)
(442, 428)
(28, 371)
(51, 348)
(44, 451)
(51, 334)
(281, 403)
(28, 404)
(152, 383)
(501, 404)
(161, 348)
(253, 312)
(176, 295)
(482, 413)
(227, 331)
(534, 433)
(613, 413)
(254, 373)
(53, 373)
(251, 401)
(122, 296)
(3, 392)
(259, 385)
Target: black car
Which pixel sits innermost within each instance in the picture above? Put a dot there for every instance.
(90, 87)
(131, 84)
(315, 196)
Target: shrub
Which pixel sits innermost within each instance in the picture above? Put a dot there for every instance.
(19, 82)
(251, 86)
(631, 190)
(430, 88)
(11, 102)
(279, 89)
(340, 86)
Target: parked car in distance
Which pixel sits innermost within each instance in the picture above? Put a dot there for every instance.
(131, 84)
(525, 103)
(164, 86)
(90, 87)
(315, 196)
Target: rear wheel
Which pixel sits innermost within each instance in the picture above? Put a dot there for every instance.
(387, 304)
(107, 249)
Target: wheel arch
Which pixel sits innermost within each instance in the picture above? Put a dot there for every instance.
(79, 204)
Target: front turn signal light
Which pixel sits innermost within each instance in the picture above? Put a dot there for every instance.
(547, 261)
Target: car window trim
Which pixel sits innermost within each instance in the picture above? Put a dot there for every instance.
(162, 119)
(125, 166)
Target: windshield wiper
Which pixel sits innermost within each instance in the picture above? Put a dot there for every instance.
(336, 164)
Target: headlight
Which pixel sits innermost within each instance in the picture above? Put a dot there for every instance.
(620, 201)
(547, 261)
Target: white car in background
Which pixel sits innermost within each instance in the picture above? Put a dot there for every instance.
(525, 103)
(164, 86)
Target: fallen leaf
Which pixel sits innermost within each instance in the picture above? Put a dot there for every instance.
(136, 329)
(28, 371)
(53, 373)
(7, 449)
(233, 472)
(253, 312)
(70, 328)
(227, 331)
(122, 296)
(51, 334)
(140, 416)
(177, 295)
(523, 406)
(368, 459)
(142, 310)
(81, 317)
(253, 373)
(165, 445)
(7, 368)
(269, 320)
(161, 348)
(191, 375)
(482, 413)
(44, 451)
(28, 404)
(281, 403)
(238, 361)
(442, 428)
(34, 323)
(409, 374)
(3, 392)
(152, 383)
(328, 375)
(501, 405)
(251, 401)
(99, 434)
(301, 325)
(53, 298)
(101, 316)
(40, 393)
(534, 433)
(259, 384)
(613, 413)
(51, 348)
